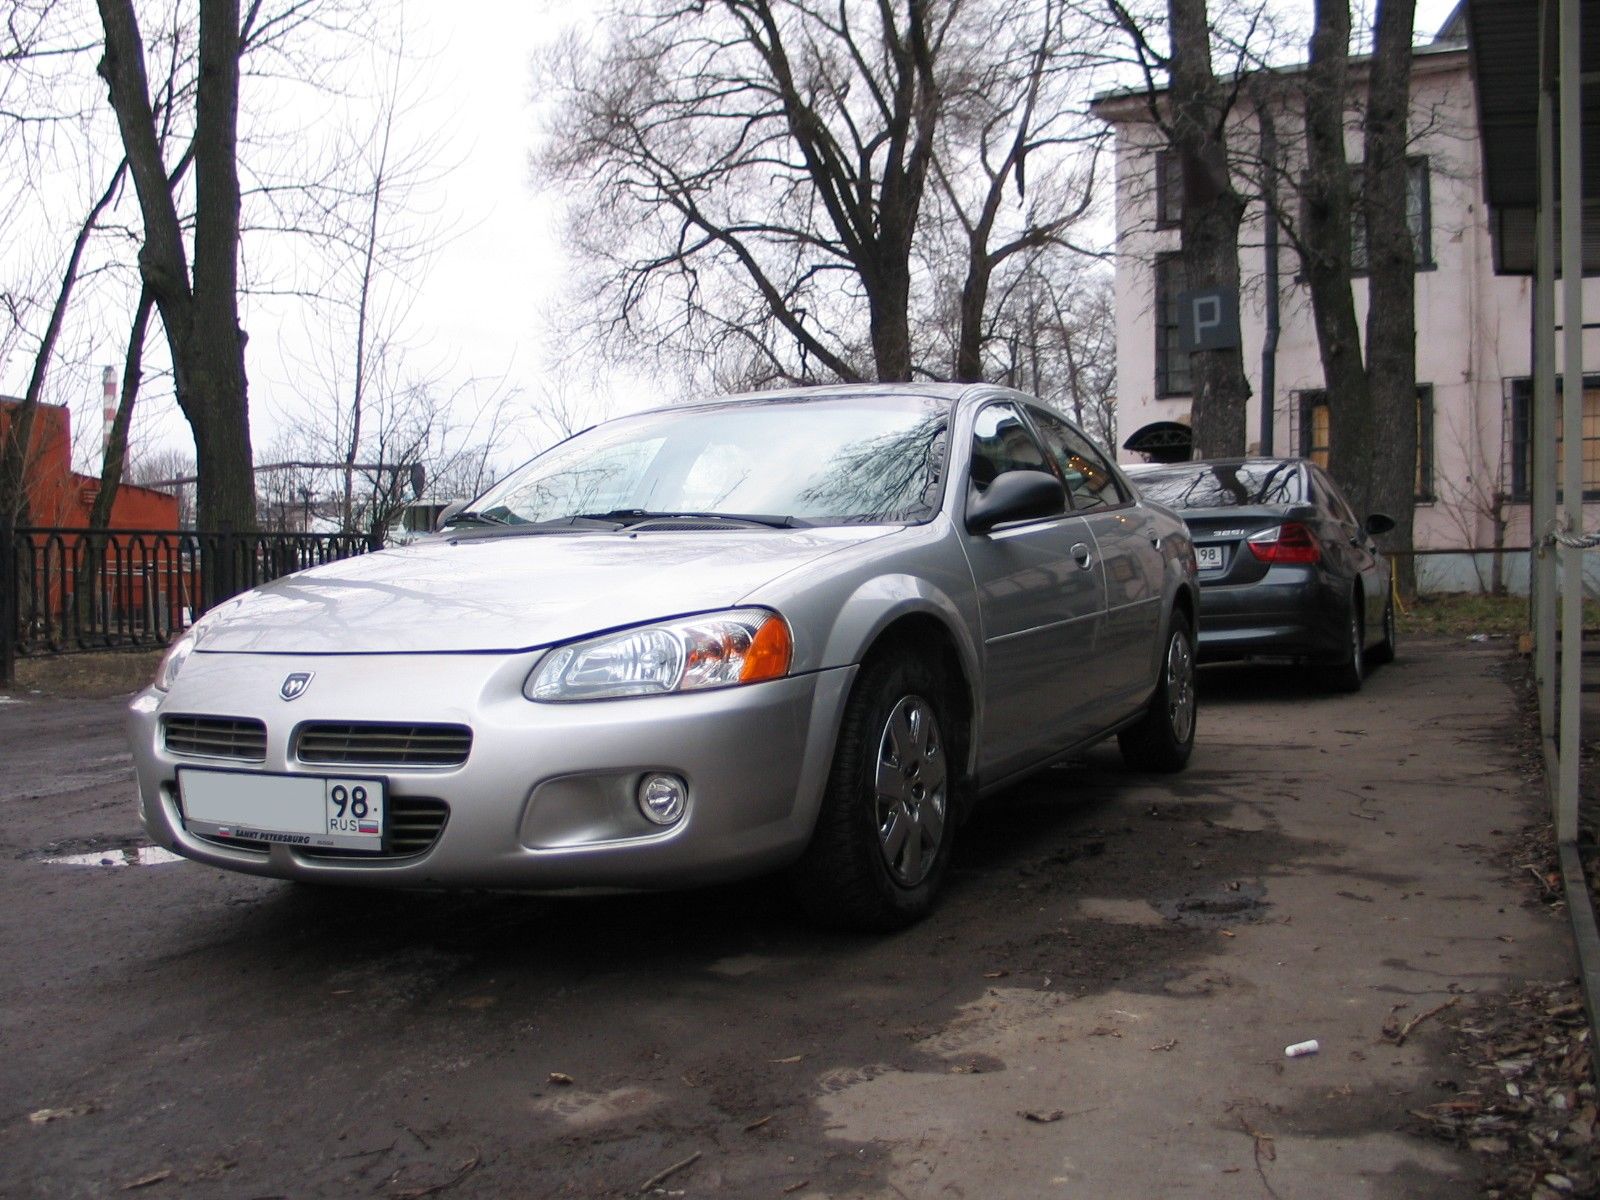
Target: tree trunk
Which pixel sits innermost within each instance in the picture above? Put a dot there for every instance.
(111, 470)
(1325, 242)
(200, 316)
(1391, 255)
(889, 303)
(1212, 211)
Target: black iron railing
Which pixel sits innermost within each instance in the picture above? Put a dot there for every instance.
(64, 590)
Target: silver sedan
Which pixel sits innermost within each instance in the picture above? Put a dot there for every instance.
(801, 630)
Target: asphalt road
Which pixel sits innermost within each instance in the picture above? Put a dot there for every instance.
(1099, 1008)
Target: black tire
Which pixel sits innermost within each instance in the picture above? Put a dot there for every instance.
(883, 836)
(1347, 675)
(1383, 652)
(1164, 737)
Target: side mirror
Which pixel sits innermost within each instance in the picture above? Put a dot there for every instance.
(449, 511)
(1379, 523)
(1016, 496)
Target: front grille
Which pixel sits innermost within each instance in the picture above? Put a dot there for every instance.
(415, 823)
(239, 738)
(384, 745)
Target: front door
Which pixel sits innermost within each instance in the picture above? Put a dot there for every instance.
(1041, 599)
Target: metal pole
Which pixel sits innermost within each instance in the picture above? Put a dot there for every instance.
(1571, 98)
(1542, 426)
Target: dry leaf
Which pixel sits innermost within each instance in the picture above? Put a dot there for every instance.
(146, 1180)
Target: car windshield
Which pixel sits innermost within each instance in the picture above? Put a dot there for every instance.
(1222, 485)
(838, 460)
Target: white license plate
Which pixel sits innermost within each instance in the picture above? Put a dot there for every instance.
(1209, 558)
(314, 811)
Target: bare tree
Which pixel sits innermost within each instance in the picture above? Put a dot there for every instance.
(199, 300)
(1391, 281)
(1192, 112)
(795, 190)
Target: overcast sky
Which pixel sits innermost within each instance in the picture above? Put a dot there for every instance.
(480, 307)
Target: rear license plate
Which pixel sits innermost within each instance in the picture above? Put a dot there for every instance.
(1209, 558)
(317, 812)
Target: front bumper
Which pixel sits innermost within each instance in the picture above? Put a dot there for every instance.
(544, 800)
(1291, 612)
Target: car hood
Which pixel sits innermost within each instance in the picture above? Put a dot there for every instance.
(516, 592)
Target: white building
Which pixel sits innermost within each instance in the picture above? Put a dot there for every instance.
(1473, 343)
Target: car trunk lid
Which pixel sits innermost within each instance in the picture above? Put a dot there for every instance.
(1219, 536)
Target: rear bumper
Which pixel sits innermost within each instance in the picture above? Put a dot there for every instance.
(1292, 612)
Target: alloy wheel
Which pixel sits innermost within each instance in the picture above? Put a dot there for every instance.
(911, 791)
(1180, 687)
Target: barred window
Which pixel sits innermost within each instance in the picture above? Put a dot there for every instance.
(1522, 442)
(1172, 364)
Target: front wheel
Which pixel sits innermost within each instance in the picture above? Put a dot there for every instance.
(883, 836)
(1164, 736)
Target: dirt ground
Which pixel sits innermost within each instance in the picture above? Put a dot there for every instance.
(1099, 1008)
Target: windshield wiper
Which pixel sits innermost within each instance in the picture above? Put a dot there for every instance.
(475, 518)
(635, 516)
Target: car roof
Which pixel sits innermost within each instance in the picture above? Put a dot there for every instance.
(952, 392)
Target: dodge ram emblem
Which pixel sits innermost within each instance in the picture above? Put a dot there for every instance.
(295, 686)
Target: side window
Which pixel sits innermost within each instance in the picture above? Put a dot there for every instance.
(1001, 441)
(1329, 498)
(1089, 478)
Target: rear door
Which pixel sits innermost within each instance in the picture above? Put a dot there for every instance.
(1351, 548)
(1041, 598)
(1130, 556)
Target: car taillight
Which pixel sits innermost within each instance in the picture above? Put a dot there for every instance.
(1290, 542)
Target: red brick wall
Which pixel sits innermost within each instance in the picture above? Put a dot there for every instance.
(59, 496)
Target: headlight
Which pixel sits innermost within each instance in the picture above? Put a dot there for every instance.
(744, 645)
(172, 662)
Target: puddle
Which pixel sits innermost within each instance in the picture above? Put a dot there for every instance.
(128, 856)
(1215, 908)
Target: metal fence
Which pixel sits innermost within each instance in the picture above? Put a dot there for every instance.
(64, 590)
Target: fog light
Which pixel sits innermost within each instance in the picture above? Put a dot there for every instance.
(662, 798)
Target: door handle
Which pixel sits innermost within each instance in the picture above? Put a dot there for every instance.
(1081, 555)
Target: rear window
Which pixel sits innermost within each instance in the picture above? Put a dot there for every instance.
(1209, 485)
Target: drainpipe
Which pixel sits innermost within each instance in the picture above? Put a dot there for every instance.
(1269, 344)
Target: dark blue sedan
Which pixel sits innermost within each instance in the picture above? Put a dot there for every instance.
(1286, 569)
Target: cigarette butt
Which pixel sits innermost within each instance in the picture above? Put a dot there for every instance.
(1299, 1048)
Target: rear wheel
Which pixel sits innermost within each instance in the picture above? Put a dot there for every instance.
(883, 837)
(1347, 676)
(1164, 736)
(1383, 652)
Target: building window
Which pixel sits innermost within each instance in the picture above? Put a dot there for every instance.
(1314, 426)
(1424, 443)
(1169, 189)
(1419, 216)
(1172, 364)
(1522, 445)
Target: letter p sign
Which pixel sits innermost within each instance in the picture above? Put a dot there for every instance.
(1208, 319)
